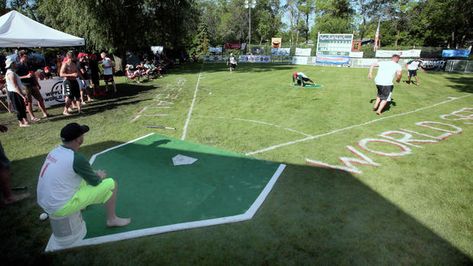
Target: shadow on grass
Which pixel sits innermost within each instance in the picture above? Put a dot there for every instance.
(312, 216)
(462, 83)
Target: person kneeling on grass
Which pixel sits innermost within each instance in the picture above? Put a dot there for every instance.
(67, 184)
(301, 79)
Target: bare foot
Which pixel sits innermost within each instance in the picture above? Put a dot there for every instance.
(117, 222)
(378, 113)
(16, 198)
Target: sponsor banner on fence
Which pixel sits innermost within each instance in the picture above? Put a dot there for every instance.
(302, 60)
(303, 51)
(216, 50)
(254, 59)
(257, 50)
(334, 44)
(333, 60)
(276, 42)
(363, 62)
(51, 90)
(402, 53)
(232, 45)
(456, 53)
(280, 51)
(356, 54)
(433, 64)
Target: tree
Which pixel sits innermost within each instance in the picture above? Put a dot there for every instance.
(334, 16)
(200, 43)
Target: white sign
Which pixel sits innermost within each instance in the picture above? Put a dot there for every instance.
(217, 50)
(402, 53)
(300, 60)
(51, 90)
(303, 51)
(334, 44)
(356, 54)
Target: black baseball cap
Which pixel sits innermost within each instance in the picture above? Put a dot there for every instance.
(72, 131)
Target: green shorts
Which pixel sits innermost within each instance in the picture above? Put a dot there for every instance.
(87, 195)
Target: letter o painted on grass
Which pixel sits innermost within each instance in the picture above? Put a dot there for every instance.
(405, 150)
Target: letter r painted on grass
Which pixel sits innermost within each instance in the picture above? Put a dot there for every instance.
(349, 162)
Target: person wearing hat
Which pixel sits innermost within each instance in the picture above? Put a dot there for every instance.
(30, 81)
(388, 70)
(67, 184)
(15, 92)
(70, 72)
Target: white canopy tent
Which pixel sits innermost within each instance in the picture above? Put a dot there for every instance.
(17, 30)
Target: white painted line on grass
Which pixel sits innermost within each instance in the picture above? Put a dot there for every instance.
(258, 122)
(189, 114)
(351, 127)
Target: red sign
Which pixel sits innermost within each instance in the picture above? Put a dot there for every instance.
(232, 45)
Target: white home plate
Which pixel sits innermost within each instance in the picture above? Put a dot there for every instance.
(182, 160)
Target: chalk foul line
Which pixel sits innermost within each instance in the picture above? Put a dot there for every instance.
(191, 108)
(451, 99)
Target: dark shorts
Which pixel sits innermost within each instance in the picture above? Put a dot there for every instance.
(32, 91)
(384, 91)
(412, 73)
(233, 65)
(4, 162)
(108, 78)
(71, 89)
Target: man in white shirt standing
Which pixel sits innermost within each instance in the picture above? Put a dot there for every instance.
(412, 67)
(107, 64)
(384, 81)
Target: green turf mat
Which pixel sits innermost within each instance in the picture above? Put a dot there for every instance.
(154, 192)
(309, 86)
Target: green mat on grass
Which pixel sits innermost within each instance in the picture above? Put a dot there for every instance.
(154, 192)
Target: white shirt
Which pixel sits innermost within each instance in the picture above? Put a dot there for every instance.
(107, 66)
(414, 65)
(10, 85)
(386, 73)
(57, 181)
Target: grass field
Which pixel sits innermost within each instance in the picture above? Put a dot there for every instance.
(410, 209)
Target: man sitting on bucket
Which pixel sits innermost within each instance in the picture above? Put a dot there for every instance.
(301, 79)
(67, 184)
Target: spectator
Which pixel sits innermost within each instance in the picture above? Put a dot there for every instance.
(15, 87)
(70, 73)
(29, 80)
(5, 176)
(95, 76)
(67, 184)
(107, 64)
(85, 80)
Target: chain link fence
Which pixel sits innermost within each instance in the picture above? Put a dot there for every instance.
(464, 66)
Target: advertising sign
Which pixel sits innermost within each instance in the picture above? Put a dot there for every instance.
(254, 59)
(334, 44)
(51, 90)
(280, 51)
(456, 53)
(303, 51)
(276, 42)
(356, 54)
(414, 53)
(333, 60)
(215, 50)
(232, 45)
(433, 64)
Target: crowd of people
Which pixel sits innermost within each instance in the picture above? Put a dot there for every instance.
(81, 74)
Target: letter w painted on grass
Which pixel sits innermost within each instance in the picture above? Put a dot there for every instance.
(349, 162)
